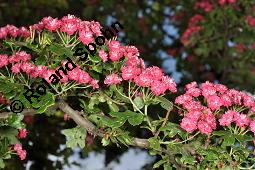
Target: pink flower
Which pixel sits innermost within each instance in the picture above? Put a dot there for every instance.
(220, 88)
(3, 60)
(40, 70)
(183, 99)
(114, 45)
(16, 68)
(38, 26)
(84, 77)
(95, 27)
(70, 24)
(155, 72)
(250, 20)
(188, 124)
(28, 67)
(192, 105)
(205, 4)
(17, 147)
(112, 79)
(195, 19)
(116, 55)
(129, 73)
(252, 126)
(24, 32)
(3, 32)
(191, 85)
(12, 31)
(70, 28)
(194, 114)
(222, 2)
(144, 79)
(20, 56)
(22, 133)
(131, 52)
(86, 37)
(195, 92)
(94, 83)
(47, 75)
(51, 24)
(204, 127)
(226, 100)
(22, 154)
(169, 82)
(157, 87)
(103, 55)
(214, 102)
(241, 120)
(208, 89)
(227, 118)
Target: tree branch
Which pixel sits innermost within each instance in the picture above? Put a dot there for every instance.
(5, 115)
(91, 128)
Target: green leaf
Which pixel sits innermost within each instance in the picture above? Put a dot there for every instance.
(136, 119)
(139, 102)
(154, 143)
(159, 163)
(10, 134)
(105, 142)
(113, 106)
(221, 133)
(228, 141)
(132, 117)
(60, 50)
(164, 103)
(75, 137)
(45, 101)
(113, 123)
(2, 165)
(125, 139)
(15, 120)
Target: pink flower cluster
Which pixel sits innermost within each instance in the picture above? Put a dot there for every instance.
(112, 79)
(153, 77)
(192, 28)
(195, 19)
(20, 62)
(68, 24)
(241, 120)
(17, 57)
(223, 2)
(188, 32)
(134, 70)
(206, 5)
(217, 96)
(22, 133)
(12, 31)
(250, 20)
(22, 153)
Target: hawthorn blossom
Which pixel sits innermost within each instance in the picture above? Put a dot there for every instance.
(22, 153)
(22, 133)
(227, 118)
(103, 55)
(3, 60)
(252, 126)
(112, 79)
(52, 24)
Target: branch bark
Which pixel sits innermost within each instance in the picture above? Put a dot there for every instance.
(90, 127)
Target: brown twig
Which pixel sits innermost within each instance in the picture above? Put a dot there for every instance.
(164, 123)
